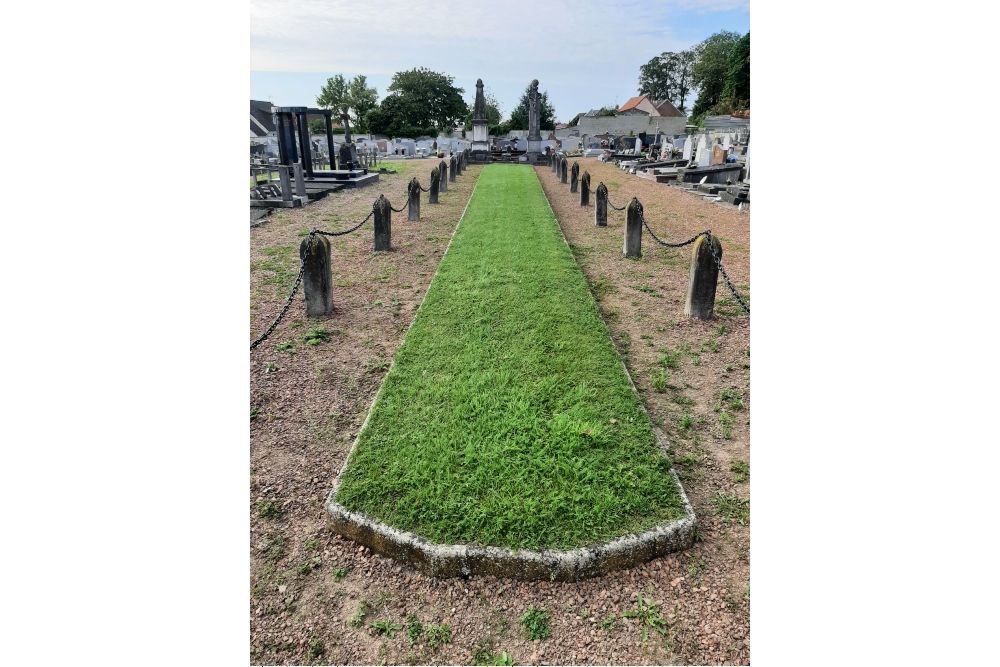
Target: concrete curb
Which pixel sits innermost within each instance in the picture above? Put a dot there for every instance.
(462, 560)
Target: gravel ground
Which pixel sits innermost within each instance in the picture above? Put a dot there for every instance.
(306, 584)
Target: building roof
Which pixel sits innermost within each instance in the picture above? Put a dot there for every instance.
(667, 109)
(261, 113)
(632, 103)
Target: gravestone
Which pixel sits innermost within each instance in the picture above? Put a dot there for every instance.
(633, 229)
(534, 140)
(704, 277)
(601, 205)
(443, 169)
(718, 155)
(585, 189)
(317, 279)
(413, 200)
(348, 152)
(383, 224)
(435, 185)
(574, 176)
(705, 151)
(688, 144)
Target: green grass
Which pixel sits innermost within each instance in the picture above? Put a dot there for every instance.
(537, 624)
(507, 418)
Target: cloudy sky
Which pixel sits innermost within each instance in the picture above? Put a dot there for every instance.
(585, 53)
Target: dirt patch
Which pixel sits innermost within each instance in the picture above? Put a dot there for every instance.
(306, 583)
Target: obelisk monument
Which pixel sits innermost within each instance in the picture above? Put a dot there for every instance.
(480, 127)
(534, 148)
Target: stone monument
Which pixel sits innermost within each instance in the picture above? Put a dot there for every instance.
(480, 127)
(348, 153)
(534, 146)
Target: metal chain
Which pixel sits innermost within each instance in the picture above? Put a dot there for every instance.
(691, 240)
(397, 210)
(258, 224)
(298, 279)
(613, 206)
(725, 277)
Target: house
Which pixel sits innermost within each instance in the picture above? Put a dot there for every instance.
(665, 108)
(261, 122)
(642, 105)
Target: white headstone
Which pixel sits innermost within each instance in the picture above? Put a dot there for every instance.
(746, 167)
(705, 151)
(688, 145)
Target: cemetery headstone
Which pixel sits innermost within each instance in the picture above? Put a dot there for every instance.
(633, 229)
(317, 279)
(704, 276)
(601, 205)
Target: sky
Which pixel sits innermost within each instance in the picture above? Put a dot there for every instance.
(585, 54)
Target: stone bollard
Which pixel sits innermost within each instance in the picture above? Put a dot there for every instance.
(700, 301)
(554, 163)
(443, 169)
(601, 205)
(563, 170)
(633, 229)
(549, 157)
(435, 186)
(317, 279)
(574, 176)
(585, 189)
(300, 181)
(286, 183)
(383, 224)
(453, 171)
(413, 200)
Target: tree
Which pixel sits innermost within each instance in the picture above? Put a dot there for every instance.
(390, 118)
(317, 126)
(333, 93)
(610, 110)
(709, 71)
(668, 77)
(738, 73)
(546, 113)
(427, 99)
(362, 100)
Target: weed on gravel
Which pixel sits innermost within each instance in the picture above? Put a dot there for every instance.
(536, 623)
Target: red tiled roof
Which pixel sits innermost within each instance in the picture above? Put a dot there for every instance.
(634, 102)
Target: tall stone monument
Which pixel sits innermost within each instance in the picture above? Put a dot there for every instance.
(348, 152)
(480, 127)
(534, 136)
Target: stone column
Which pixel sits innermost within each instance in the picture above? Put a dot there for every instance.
(383, 224)
(633, 229)
(585, 189)
(601, 205)
(317, 279)
(435, 185)
(286, 183)
(574, 176)
(413, 200)
(300, 182)
(563, 169)
(454, 169)
(554, 162)
(443, 170)
(700, 301)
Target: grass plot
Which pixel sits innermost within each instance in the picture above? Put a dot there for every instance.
(507, 419)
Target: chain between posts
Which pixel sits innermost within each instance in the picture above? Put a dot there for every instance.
(397, 210)
(258, 224)
(298, 279)
(708, 238)
(613, 206)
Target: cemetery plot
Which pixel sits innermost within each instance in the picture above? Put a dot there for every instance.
(507, 418)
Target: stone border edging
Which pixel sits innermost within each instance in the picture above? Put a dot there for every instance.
(454, 560)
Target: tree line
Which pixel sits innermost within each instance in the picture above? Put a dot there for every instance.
(422, 102)
(718, 68)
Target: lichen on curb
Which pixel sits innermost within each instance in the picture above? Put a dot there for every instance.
(459, 560)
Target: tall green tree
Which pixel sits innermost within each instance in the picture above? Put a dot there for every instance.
(738, 74)
(668, 77)
(709, 71)
(333, 93)
(362, 99)
(546, 112)
(427, 99)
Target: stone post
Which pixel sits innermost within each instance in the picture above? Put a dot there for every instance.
(554, 162)
(383, 224)
(563, 169)
(454, 169)
(585, 189)
(443, 170)
(286, 183)
(300, 182)
(601, 205)
(317, 279)
(574, 176)
(413, 200)
(700, 301)
(435, 186)
(633, 229)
